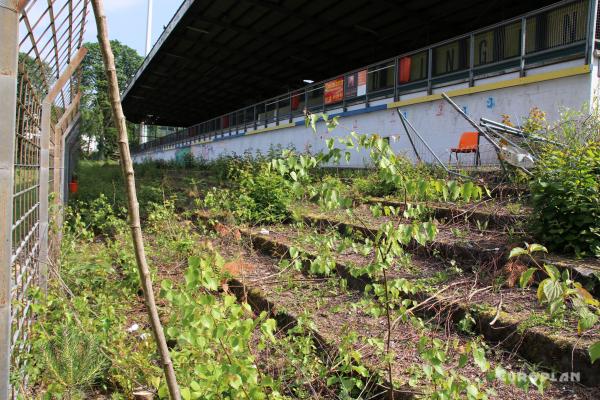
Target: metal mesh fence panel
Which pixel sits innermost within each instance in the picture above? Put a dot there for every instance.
(25, 228)
(48, 35)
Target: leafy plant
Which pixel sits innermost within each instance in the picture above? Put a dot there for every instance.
(536, 121)
(373, 185)
(443, 360)
(212, 355)
(101, 216)
(558, 291)
(594, 351)
(566, 199)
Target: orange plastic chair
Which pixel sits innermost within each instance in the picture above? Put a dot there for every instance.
(469, 143)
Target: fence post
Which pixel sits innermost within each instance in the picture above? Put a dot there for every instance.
(429, 70)
(9, 34)
(44, 192)
(266, 119)
(396, 78)
(472, 60)
(590, 41)
(523, 46)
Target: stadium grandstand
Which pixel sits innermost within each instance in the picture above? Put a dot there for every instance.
(239, 76)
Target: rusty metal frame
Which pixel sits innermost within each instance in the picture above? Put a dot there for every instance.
(40, 95)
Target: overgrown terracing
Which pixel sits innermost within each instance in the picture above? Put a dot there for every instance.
(338, 311)
(484, 290)
(448, 292)
(279, 278)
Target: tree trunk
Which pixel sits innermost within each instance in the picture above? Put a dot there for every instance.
(132, 203)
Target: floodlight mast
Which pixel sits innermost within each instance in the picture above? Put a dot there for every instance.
(143, 127)
(149, 29)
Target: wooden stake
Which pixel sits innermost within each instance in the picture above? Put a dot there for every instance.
(132, 203)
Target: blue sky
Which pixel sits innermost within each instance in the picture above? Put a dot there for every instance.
(127, 21)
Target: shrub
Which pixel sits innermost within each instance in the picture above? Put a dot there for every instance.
(99, 216)
(259, 196)
(267, 195)
(74, 362)
(372, 185)
(566, 199)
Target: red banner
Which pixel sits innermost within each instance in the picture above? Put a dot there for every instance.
(334, 91)
(295, 102)
(404, 69)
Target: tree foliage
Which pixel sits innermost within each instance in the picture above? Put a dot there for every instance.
(96, 113)
(39, 75)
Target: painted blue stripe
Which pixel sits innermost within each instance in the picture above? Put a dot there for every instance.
(228, 137)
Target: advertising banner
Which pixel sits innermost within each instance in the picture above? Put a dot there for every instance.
(295, 102)
(334, 91)
(362, 83)
(356, 84)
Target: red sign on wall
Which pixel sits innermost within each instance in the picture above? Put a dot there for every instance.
(334, 91)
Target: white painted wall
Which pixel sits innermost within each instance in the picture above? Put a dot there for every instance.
(438, 123)
(595, 85)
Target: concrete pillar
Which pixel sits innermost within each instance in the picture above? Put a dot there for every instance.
(9, 34)
(143, 133)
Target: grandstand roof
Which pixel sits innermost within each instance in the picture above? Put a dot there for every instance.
(218, 56)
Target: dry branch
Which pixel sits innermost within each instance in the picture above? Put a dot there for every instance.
(132, 203)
